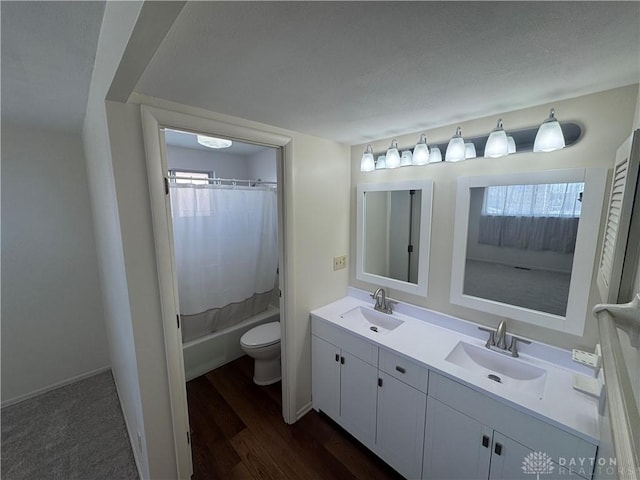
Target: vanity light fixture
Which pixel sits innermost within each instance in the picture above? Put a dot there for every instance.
(455, 149)
(549, 136)
(367, 164)
(381, 162)
(497, 143)
(393, 156)
(435, 155)
(421, 151)
(406, 159)
(512, 144)
(469, 150)
(213, 142)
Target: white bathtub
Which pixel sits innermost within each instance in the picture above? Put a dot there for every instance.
(214, 350)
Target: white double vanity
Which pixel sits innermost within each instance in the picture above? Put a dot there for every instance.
(434, 396)
(413, 386)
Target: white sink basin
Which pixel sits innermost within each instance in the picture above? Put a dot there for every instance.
(372, 320)
(510, 372)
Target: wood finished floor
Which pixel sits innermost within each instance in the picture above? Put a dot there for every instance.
(237, 432)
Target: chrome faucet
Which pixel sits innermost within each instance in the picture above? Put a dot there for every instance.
(501, 333)
(498, 340)
(382, 304)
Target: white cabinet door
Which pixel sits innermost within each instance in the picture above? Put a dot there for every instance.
(508, 458)
(400, 432)
(325, 367)
(457, 447)
(358, 385)
(511, 460)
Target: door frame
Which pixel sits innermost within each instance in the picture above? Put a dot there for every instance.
(154, 121)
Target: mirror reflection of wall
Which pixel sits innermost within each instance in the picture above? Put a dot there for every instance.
(392, 234)
(521, 242)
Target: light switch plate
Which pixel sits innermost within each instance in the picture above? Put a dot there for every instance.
(340, 262)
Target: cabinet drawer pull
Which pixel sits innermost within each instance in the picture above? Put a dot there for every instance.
(342, 360)
(337, 357)
(401, 369)
(379, 382)
(485, 441)
(498, 449)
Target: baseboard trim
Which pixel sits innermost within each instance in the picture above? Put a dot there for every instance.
(303, 411)
(54, 386)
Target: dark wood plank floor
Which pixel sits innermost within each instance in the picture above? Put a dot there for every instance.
(238, 432)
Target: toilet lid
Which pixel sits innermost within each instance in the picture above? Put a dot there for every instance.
(262, 335)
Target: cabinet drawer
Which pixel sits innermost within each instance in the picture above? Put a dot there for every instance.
(531, 432)
(407, 371)
(344, 340)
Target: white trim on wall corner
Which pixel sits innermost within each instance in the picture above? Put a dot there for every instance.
(304, 410)
(54, 386)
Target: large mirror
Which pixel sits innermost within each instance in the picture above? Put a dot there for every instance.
(524, 245)
(393, 229)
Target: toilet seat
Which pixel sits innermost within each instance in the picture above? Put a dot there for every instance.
(262, 335)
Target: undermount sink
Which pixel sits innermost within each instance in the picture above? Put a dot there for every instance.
(508, 371)
(373, 320)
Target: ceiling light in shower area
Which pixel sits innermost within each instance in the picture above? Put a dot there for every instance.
(213, 142)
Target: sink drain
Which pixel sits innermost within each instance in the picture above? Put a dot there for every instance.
(373, 329)
(495, 378)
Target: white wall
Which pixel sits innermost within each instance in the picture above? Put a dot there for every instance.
(224, 165)
(606, 118)
(145, 316)
(52, 314)
(262, 165)
(118, 23)
(316, 193)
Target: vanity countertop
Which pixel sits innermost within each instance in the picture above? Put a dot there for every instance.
(423, 338)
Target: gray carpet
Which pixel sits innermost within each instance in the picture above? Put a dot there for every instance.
(73, 432)
(540, 290)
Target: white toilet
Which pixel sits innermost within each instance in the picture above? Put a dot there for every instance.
(262, 343)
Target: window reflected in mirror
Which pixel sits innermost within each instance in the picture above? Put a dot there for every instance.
(392, 233)
(521, 241)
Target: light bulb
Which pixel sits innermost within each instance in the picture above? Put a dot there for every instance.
(393, 156)
(455, 149)
(469, 150)
(549, 136)
(497, 143)
(367, 164)
(421, 151)
(435, 155)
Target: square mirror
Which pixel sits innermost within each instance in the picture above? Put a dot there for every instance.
(525, 244)
(393, 230)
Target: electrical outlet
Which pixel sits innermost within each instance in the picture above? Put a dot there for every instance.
(340, 262)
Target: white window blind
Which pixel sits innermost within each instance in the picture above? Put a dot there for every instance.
(619, 212)
(191, 177)
(544, 200)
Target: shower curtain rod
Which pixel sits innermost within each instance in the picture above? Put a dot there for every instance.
(216, 180)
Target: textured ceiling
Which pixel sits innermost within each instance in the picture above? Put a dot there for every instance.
(354, 71)
(48, 52)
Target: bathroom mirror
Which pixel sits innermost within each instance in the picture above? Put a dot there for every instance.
(525, 244)
(393, 230)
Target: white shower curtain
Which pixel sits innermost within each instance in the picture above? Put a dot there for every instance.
(226, 244)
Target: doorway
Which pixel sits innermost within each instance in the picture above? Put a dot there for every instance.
(156, 123)
(224, 214)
